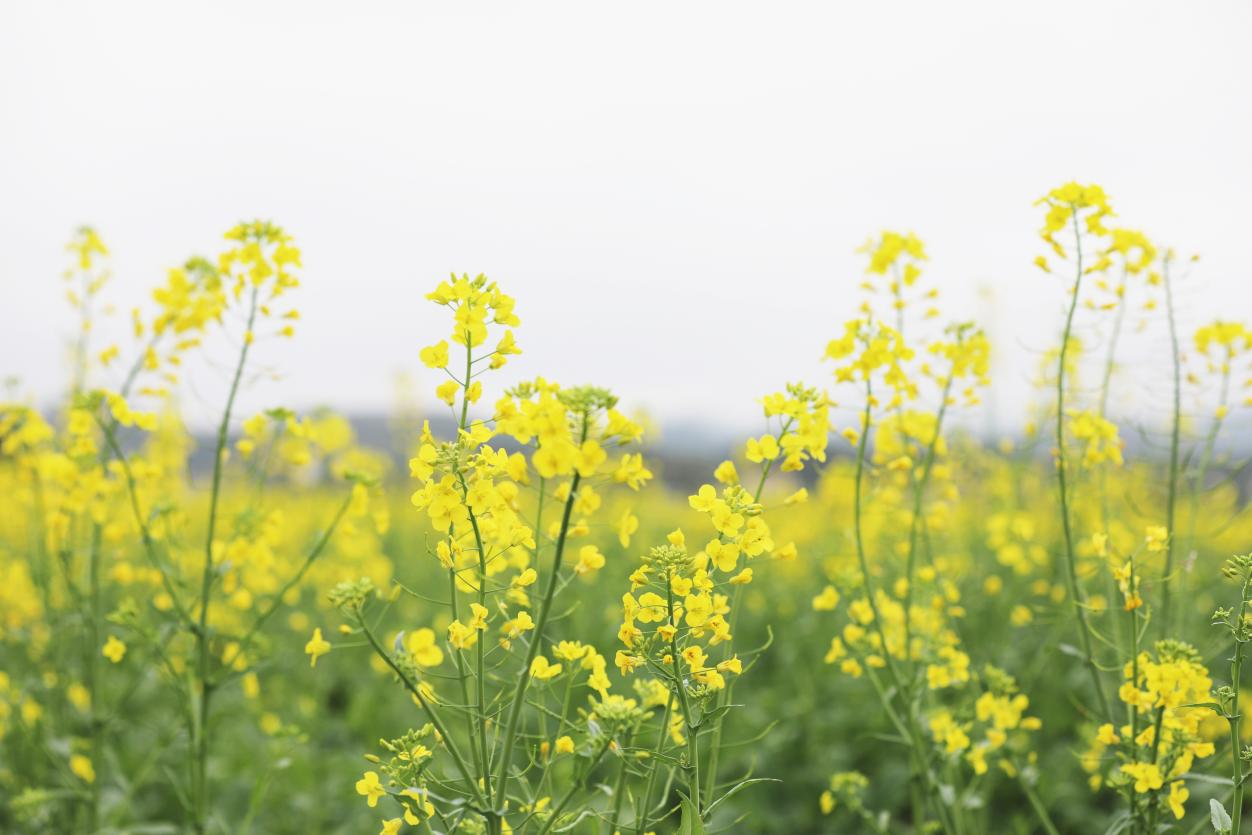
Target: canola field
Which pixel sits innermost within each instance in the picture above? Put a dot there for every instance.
(866, 619)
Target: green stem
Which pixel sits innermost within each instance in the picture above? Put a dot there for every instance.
(431, 713)
(145, 533)
(911, 734)
(1133, 710)
(569, 794)
(1175, 435)
(619, 790)
(93, 674)
(206, 581)
(1106, 382)
(1206, 458)
(861, 446)
(560, 726)
(919, 493)
(1040, 810)
(545, 609)
(480, 655)
(1106, 387)
(693, 750)
(459, 660)
(481, 672)
(646, 808)
(1234, 713)
(1075, 590)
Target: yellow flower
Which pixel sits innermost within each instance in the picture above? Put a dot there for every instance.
(764, 449)
(369, 788)
(699, 609)
(1020, 615)
(1147, 776)
(861, 611)
(436, 356)
(827, 600)
(82, 768)
(317, 647)
(626, 527)
(543, 670)
(631, 471)
(564, 745)
(423, 646)
(1178, 795)
(588, 458)
(447, 391)
(392, 827)
(555, 457)
(589, 559)
(114, 649)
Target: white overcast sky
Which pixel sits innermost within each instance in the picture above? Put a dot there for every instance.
(673, 191)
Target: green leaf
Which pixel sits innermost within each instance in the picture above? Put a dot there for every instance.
(1121, 823)
(690, 823)
(736, 788)
(716, 713)
(1221, 820)
(1214, 706)
(1195, 777)
(655, 755)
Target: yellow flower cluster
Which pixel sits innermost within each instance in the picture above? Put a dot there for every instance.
(996, 725)
(1097, 437)
(1067, 205)
(897, 257)
(1162, 740)
(867, 347)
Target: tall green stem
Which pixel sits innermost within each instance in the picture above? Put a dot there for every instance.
(1206, 457)
(870, 591)
(545, 609)
(459, 661)
(919, 493)
(481, 671)
(1133, 710)
(569, 794)
(619, 790)
(1062, 479)
(480, 668)
(206, 582)
(693, 749)
(1235, 714)
(471, 784)
(645, 809)
(1171, 501)
(1106, 385)
(93, 673)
